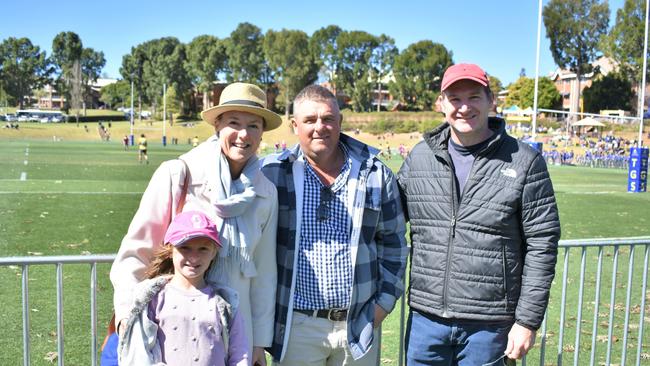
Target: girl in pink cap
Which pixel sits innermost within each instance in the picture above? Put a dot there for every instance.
(177, 317)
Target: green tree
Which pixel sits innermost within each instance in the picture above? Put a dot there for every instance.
(612, 91)
(23, 68)
(354, 51)
(495, 84)
(382, 62)
(324, 47)
(418, 72)
(291, 60)
(624, 43)
(117, 94)
(245, 55)
(575, 28)
(522, 93)
(163, 61)
(132, 70)
(206, 58)
(92, 63)
(67, 49)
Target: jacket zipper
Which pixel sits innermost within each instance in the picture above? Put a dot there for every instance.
(452, 234)
(455, 205)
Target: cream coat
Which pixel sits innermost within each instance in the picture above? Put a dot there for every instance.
(147, 229)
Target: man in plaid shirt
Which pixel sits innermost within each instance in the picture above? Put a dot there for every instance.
(341, 248)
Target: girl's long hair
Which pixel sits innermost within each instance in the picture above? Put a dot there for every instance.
(162, 262)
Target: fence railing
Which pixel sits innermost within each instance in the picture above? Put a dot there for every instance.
(555, 322)
(58, 261)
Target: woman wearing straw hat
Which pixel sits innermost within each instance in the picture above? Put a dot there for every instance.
(224, 182)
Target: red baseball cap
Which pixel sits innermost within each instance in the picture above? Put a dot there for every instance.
(190, 225)
(458, 72)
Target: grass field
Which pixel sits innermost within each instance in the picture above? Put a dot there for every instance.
(79, 197)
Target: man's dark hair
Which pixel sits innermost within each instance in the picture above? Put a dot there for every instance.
(314, 92)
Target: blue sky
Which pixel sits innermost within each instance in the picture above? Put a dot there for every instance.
(499, 35)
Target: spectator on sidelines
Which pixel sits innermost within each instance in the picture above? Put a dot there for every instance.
(225, 182)
(341, 245)
(484, 233)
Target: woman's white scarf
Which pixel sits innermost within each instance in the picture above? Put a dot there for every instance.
(233, 198)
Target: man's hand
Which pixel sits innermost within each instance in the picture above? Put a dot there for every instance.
(520, 340)
(380, 315)
(259, 357)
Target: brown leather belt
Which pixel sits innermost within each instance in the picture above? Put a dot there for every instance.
(336, 315)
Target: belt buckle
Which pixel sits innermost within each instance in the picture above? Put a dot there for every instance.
(336, 315)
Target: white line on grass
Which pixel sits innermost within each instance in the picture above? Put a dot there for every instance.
(23, 176)
(63, 192)
(25, 162)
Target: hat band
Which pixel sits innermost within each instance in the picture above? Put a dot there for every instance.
(244, 102)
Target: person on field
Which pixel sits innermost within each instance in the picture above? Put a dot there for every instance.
(142, 149)
(177, 317)
(341, 241)
(125, 142)
(225, 182)
(484, 233)
(195, 141)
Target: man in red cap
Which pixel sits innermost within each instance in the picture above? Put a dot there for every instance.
(484, 233)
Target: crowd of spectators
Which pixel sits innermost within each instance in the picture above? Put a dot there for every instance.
(603, 152)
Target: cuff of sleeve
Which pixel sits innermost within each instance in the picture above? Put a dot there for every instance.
(526, 325)
(386, 301)
(262, 337)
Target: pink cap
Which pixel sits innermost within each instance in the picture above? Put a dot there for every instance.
(189, 225)
(464, 71)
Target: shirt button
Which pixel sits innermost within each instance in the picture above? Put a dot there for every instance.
(211, 346)
(175, 349)
(193, 339)
(193, 318)
(175, 307)
(196, 359)
(175, 327)
(193, 300)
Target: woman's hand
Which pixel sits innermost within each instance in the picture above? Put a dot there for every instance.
(259, 357)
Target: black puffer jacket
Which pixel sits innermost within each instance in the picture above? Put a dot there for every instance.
(492, 255)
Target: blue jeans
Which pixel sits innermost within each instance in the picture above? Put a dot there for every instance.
(431, 340)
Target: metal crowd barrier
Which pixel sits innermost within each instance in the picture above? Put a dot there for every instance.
(558, 328)
(59, 261)
(547, 329)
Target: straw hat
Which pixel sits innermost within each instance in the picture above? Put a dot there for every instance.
(243, 97)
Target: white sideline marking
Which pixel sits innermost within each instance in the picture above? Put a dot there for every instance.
(23, 176)
(62, 192)
(25, 162)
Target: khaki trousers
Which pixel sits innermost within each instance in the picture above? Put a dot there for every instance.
(322, 342)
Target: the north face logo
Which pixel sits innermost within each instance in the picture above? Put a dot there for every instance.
(509, 172)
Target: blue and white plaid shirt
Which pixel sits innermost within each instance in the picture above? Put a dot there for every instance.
(377, 238)
(324, 279)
